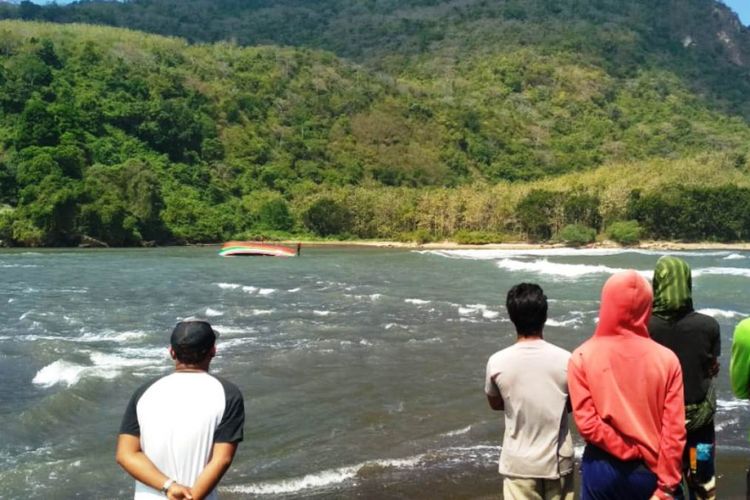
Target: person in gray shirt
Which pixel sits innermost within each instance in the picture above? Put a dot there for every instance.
(528, 381)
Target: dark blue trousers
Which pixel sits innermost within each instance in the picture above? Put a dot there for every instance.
(607, 478)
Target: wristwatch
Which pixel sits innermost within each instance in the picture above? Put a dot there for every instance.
(167, 484)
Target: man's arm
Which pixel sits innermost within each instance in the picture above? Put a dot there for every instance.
(491, 389)
(222, 455)
(131, 458)
(672, 442)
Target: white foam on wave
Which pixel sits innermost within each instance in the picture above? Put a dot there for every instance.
(431, 340)
(321, 313)
(726, 405)
(543, 266)
(475, 309)
(495, 254)
(11, 266)
(59, 372)
(104, 365)
(294, 290)
(249, 289)
(266, 291)
(228, 286)
(262, 312)
(417, 302)
(721, 313)
(212, 313)
(719, 426)
(321, 479)
(721, 271)
(391, 326)
(108, 336)
(734, 256)
(458, 432)
(229, 330)
(563, 323)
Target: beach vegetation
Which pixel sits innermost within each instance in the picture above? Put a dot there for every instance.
(577, 235)
(627, 232)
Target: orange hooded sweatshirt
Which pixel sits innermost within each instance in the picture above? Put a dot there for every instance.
(626, 390)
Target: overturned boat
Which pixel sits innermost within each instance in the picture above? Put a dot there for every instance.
(257, 249)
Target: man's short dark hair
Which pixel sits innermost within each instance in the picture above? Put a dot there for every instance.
(527, 308)
(192, 341)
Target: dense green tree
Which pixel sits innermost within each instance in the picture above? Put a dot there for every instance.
(326, 217)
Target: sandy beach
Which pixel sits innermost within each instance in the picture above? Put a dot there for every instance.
(450, 245)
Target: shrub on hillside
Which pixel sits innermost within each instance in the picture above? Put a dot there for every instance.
(577, 234)
(626, 232)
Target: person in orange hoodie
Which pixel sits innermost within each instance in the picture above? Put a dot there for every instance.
(627, 397)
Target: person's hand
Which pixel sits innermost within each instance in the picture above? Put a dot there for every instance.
(714, 369)
(179, 492)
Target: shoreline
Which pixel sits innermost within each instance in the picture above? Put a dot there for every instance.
(449, 245)
(441, 245)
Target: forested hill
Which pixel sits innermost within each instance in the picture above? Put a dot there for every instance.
(700, 41)
(419, 130)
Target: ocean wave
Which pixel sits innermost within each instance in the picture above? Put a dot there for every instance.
(266, 291)
(262, 312)
(321, 313)
(721, 313)
(59, 372)
(322, 479)
(417, 302)
(391, 326)
(457, 432)
(719, 426)
(249, 289)
(475, 309)
(721, 271)
(374, 297)
(230, 330)
(294, 290)
(563, 323)
(734, 256)
(104, 365)
(228, 286)
(12, 266)
(496, 254)
(543, 266)
(726, 405)
(212, 313)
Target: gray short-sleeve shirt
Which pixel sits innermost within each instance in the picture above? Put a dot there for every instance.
(532, 377)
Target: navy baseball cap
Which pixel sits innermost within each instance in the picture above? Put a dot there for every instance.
(193, 335)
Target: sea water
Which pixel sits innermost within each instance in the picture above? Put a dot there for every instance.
(362, 368)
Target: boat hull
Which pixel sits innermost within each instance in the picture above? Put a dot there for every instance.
(255, 249)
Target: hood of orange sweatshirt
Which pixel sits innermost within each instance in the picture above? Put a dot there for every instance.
(625, 306)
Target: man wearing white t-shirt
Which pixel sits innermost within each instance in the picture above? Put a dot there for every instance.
(180, 432)
(528, 381)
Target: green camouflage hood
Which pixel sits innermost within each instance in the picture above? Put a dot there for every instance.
(673, 296)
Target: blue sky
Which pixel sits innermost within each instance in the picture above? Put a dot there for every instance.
(741, 7)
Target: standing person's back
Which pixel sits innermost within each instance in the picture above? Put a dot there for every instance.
(627, 397)
(180, 432)
(528, 380)
(696, 341)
